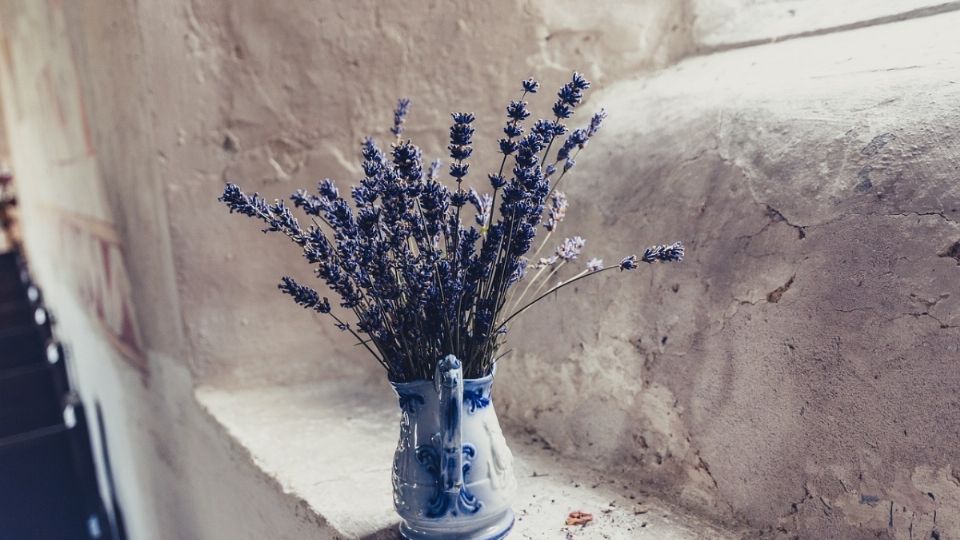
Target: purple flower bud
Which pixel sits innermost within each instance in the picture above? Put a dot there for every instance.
(517, 111)
(547, 261)
(400, 115)
(328, 190)
(459, 170)
(434, 171)
(507, 147)
(304, 296)
(513, 130)
(461, 134)
(519, 270)
(459, 199)
(462, 118)
(543, 128)
(595, 122)
(558, 210)
(570, 249)
(672, 253)
(483, 204)
(579, 82)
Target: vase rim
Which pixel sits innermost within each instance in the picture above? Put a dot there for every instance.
(472, 382)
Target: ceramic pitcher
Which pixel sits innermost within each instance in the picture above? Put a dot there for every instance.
(452, 471)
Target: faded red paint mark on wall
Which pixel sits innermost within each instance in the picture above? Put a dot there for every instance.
(95, 267)
(53, 96)
(11, 70)
(70, 112)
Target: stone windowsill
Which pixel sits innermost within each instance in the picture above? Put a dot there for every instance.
(330, 447)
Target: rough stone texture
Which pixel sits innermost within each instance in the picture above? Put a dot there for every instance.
(797, 373)
(799, 370)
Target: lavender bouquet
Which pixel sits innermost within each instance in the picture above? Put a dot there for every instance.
(429, 270)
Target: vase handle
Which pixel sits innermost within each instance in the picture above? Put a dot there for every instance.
(448, 381)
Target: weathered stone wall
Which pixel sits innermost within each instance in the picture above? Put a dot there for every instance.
(799, 369)
(796, 372)
(127, 117)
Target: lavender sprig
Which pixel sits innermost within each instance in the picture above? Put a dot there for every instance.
(400, 116)
(422, 280)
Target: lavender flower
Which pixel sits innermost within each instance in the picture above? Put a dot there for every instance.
(304, 296)
(421, 281)
(547, 261)
(407, 159)
(558, 210)
(484, 205)
(461, 136)
(400, 115)
(579, 138)
(570, 96)
(595, 122)
(570, 249)
(671, 253)
(517, 111)
(519, 270)
(434, 171)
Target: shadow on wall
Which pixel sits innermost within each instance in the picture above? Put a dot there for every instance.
(116, 517)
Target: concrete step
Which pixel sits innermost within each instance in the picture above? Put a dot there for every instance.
(331, 445)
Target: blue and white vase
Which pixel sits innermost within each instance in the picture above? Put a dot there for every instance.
(452, 472)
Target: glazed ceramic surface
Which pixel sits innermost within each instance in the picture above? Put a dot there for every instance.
(452, 471)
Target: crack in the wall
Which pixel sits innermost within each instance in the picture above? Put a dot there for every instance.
(942, 214)
(774, 216)
(702, 466)
(778, 216)
(853, 310)
(918, 315)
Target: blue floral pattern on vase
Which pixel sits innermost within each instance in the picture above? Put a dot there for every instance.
(452, 474)
(443, 503)
(474, 399)
(408, 401)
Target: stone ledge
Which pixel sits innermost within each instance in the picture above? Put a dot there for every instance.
(330, 446)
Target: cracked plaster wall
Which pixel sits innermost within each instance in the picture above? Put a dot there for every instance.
(796, 374)
(799, 371)
(127, 117)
